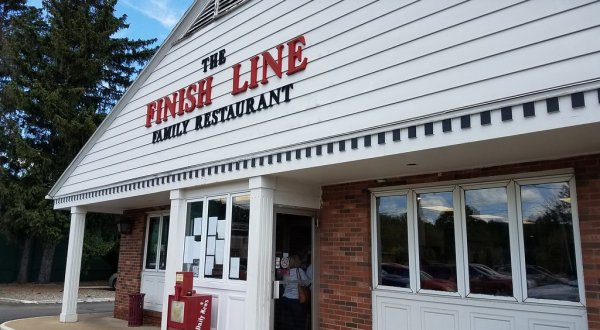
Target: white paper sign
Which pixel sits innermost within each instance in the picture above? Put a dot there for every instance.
(209, 265)
(188, 254)
(234, 268)
(212, 226)
(197, 226)
(210, 246)
(219, 251)
(197, 248)
(221, 229)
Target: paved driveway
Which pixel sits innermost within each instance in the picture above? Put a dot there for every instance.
(12, 311)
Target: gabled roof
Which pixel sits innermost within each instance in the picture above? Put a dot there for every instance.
(178, 31)
(212, 10)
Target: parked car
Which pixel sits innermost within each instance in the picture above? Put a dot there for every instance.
(112, 281)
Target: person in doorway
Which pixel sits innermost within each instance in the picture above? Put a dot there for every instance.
(309, 268)
(293, 312)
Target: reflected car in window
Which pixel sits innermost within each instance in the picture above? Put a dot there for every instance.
(397, 275)
(485, 280)
(393, 274)
(554, 292)
(428, 282)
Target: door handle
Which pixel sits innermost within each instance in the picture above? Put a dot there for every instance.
(275, 289)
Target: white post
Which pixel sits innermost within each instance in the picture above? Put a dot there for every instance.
(71, 289)
(174, 250)
(260, 254)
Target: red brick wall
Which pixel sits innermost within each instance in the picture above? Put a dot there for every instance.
(131, 255)
(345, 238)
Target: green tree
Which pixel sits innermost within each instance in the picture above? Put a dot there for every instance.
(21, 25)
(65, 70)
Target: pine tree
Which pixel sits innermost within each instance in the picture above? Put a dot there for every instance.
(66, 70)
(20, 25)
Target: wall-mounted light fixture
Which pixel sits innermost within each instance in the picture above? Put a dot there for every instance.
(124, 226)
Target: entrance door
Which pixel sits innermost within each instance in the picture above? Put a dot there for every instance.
(293, 269)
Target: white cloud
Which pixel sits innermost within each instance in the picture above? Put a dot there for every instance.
(163, 11)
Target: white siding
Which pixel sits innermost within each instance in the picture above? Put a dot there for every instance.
(371, 63)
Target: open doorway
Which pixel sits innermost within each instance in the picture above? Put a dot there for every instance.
(293, 271)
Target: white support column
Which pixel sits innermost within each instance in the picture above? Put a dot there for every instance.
(71, 289)
(174, 250)
(260, 254)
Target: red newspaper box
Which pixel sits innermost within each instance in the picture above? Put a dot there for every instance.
(188, 310)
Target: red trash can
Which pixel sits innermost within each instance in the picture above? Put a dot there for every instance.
(136, 309)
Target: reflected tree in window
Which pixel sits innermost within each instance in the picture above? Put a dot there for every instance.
(488, 241)
(549, 243)
(393, 244)
(437, 255)
(240, 221)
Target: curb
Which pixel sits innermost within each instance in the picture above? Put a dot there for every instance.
(3, 326)
(22, 301)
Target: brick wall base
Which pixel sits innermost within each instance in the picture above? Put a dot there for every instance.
(131, 254)
(345, 238)
(152, 318)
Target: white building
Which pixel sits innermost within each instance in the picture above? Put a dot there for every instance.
(439, 160)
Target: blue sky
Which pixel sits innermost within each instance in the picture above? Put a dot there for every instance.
(147, 18)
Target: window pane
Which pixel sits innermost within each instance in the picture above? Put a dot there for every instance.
(164, 243)
(152, 242)
(215, 238)
(193, 238)
(549, 247)
(437, 257)
(393, 240)
(240, 218)
(488, 241)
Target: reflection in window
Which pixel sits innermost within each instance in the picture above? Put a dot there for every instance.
(193, 238)
(549, 243)
(157, 243)
(393, 237)
(215, 238)
(488, 241)
(152, 242)
(240, 219)
(164, 243)
(437, 257)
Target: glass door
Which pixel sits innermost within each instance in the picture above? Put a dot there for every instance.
(293, 271)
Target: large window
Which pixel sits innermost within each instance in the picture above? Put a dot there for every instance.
(157, 235)
(436, 237)
(216, 241)
(508, 240)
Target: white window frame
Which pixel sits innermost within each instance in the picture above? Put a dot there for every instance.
(375, 239)
(201, 279)
(576, 239)
(457, 246)
(458, 188)
(160, 215)
(513, 238)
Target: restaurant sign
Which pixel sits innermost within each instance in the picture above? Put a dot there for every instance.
(199, 94)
